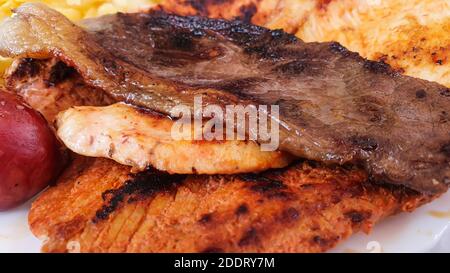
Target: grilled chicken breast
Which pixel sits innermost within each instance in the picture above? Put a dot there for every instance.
(413, 36)
(98, 206)
(141, 138)
(335, 106)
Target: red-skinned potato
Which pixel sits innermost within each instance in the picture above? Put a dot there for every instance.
(30, 157)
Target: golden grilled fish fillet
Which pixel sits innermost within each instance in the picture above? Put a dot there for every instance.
(98, 206)
(141, 138)
(413, 36)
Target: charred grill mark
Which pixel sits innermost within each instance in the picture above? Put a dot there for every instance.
(59, 73)
(241, 210)
(421, 94)
(27, 68)
(343, 51)
(255, 40)
(318, 240)
(250, 237)
(269, 188)
(142, 185)
(357, 217)
(182, 41)
(379, 67)
(182, 48)
(280, 35)
(264, 51)
(205, 218)
(338, 48)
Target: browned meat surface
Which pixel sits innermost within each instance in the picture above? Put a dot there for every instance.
(50, 86)
(139, 138)
(414, 36)
(97, 206)
(336, 107)
(134, 138)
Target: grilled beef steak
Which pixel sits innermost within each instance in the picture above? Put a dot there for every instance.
(336, 107)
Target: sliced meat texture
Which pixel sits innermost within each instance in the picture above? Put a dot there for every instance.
(141, 138)
(50, 86)
(335, 106)
(98, 206)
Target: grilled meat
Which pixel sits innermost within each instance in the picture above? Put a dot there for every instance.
(50, 86)
(141, 138)
(98, 206)
(336, 107)
(414, 36)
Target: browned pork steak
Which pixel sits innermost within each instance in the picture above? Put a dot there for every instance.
(98, 206)
(336, 107)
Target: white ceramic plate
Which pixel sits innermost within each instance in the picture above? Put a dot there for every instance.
(420, 231)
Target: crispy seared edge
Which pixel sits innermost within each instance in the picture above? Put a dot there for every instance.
(97, 206)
